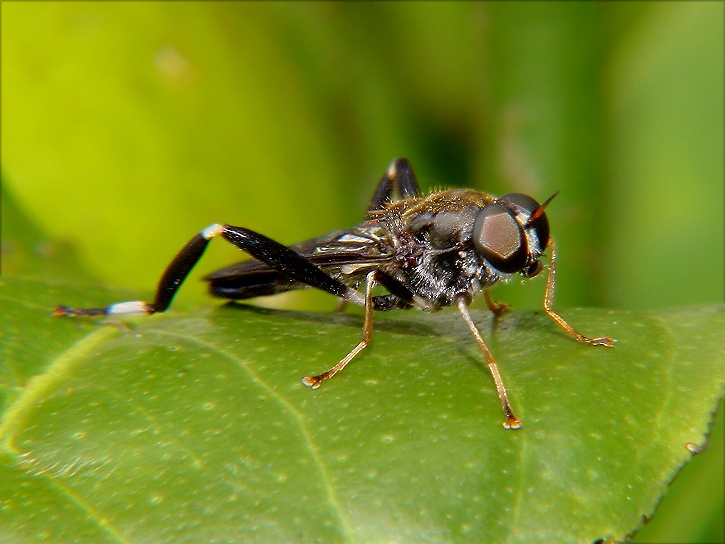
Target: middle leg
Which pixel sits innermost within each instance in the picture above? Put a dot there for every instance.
(314, 382)
(548, 308)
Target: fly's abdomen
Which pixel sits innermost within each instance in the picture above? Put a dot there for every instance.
(253, 285)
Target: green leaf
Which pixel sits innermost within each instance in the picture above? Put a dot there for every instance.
(194, 427)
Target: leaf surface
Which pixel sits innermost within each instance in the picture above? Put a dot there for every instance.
(192, 427)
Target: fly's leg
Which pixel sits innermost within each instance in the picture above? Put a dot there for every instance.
(512, 422)
(276, 255)
(495, 307)
(399, 297)
(400, 175)
(314, 382)
(549, 301)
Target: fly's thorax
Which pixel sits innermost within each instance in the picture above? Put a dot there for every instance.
(458, 242)
(444, 229)
(434, 255)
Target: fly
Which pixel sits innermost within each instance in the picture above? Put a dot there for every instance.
(428, 252)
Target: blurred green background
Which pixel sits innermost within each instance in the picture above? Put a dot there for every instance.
(128, 127)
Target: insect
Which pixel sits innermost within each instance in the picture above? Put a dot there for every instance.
(428, 252)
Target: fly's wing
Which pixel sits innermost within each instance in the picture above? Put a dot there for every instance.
(346, 255)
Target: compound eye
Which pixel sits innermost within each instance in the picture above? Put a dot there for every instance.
(526, 205)
(523, 203)
(499, 239)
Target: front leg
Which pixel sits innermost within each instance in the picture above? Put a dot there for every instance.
(274, 254)
(549, 302)
(511, 422)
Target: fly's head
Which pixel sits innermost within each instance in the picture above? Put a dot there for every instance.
(511, 233)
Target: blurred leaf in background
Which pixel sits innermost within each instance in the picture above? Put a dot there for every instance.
(128, 127)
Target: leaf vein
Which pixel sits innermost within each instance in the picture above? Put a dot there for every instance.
(312, 447)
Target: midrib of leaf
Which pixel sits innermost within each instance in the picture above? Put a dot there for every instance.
(41, 384)
(299, 420)
(671, 344)
(36, 389)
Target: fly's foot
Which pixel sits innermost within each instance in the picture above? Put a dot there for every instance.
(65, 311)
(512, 423)
(495, 307)
(313, 382)
(499, 307)
(601, 341)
